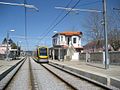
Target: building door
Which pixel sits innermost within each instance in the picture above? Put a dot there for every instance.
(68, 40)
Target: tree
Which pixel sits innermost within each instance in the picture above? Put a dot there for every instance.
(114, 30)
(114, 39)
(94, 28)
(96, 33)
(10, 41)
(4, 41)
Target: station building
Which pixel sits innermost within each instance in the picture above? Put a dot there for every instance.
(65, 45)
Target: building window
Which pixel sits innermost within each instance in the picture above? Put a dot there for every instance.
(61, 38)
(74, 40)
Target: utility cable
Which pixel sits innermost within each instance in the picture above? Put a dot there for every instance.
(58, 17)
(61, 19)
(89, 3)
(115, 17)
(66, 7)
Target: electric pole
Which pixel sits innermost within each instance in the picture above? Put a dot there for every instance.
(105, 34)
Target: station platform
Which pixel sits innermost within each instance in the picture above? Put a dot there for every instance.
(7, 66)
(97, 72)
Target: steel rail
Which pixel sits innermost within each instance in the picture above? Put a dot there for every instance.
(76, 75)
(21, 63)
(70, 85)
(9, 70)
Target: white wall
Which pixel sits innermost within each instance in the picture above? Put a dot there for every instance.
(80, 42)
(61, 40)
(56, 40)
(75, 57)
(77, 41)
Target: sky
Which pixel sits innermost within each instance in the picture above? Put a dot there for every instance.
(39, 24)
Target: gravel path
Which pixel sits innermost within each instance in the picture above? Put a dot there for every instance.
(75, 81)
(44, 80)
(21, 81)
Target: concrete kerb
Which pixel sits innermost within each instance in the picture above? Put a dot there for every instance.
(103, 79)
(10, 69)
(115, 82)
(95, 77)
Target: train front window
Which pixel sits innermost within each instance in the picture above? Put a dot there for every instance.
(43, 51)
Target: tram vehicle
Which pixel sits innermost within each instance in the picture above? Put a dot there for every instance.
(41, 54)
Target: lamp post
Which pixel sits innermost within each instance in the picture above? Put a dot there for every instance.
(21, 5)
(7, 48)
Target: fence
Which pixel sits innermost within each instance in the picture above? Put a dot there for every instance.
(82, 56)
(97, 57)
(114, 57)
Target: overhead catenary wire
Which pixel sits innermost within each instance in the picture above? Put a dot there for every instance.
(23, 37)
(61, 19)
(66, 7)
(117, 13)
(55, 20)
(115, 19)
(57, 17)
(62, 12)
(89, 3)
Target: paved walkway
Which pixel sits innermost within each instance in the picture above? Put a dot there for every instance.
(4, 65)
(113, 71)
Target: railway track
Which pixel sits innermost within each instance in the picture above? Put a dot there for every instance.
(35, 76)
(70, 71)
(67, 83)
(8, 75)
(17, 77)
(72, 80)
(45, 80)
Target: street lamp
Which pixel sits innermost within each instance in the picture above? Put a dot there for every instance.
(12, 30)
(55, 32)
(22, 5)
(77, 10)
(7, 49)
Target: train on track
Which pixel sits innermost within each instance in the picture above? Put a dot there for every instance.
(41, 54)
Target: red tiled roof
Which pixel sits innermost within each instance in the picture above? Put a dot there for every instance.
(70, 33)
